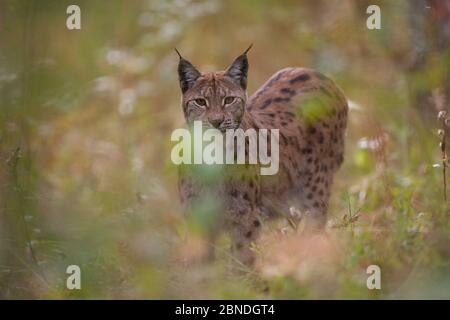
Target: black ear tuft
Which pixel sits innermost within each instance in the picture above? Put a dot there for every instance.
(187, 73)
(239, 69)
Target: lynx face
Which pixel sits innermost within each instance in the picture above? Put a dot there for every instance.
(217, 99)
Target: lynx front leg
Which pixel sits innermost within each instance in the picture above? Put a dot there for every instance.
(243, 235)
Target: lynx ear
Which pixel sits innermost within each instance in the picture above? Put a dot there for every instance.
(239, 69)
(187, 73)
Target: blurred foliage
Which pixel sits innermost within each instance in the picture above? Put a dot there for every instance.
(85, 176)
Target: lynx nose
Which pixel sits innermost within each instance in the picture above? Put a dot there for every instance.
(216, 121)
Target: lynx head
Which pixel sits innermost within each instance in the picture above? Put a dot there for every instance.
(217, 98)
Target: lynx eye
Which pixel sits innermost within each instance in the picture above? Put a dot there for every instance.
(229, 100)
(200, 102)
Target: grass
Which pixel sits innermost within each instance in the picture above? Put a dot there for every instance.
(85, 175)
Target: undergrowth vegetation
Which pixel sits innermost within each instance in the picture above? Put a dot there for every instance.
(85, 171)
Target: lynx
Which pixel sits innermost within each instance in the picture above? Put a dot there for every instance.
(310, 112)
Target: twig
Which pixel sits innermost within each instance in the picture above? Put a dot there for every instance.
(442, 116)
(12, 162)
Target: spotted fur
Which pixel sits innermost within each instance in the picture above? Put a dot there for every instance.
(311, 113)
